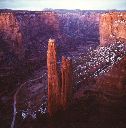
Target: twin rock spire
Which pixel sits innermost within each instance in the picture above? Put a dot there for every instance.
(59, 86)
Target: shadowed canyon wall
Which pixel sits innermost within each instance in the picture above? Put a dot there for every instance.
(114, 81)
(23, 37)
(25, 34)
(112, 27)
(37, 28)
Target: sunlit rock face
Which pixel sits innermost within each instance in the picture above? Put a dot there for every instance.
(112, 27)
(114, 81)
(53, 79)
(59, 87)
(112, 30)
(10, 34)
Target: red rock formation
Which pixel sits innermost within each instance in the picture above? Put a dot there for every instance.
(53, 79)
(10, 32)
(59, 94)
(26, 32)
(67, 80)
(112, 27)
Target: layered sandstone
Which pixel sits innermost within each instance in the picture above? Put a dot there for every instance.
(112, 27)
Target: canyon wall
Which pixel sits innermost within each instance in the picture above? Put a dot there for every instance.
(114, 81)
(112, 27)
(80, 27)
(26, 33)
(10, 35)
(23, 44)
(37, 28)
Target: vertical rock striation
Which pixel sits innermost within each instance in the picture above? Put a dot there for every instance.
(53, 79)
(59, 88)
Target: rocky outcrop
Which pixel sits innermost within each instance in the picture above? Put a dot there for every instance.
(53, 79)
(59, 87)
(112, 27)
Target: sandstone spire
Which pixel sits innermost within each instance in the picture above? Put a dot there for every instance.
(53, 79)
(59, 92)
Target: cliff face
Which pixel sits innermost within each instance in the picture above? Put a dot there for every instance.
(25, 33)
(37, 28)
(23, 43)
(78, 29)
(112, 27)
(83, 25)
(10, 34)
